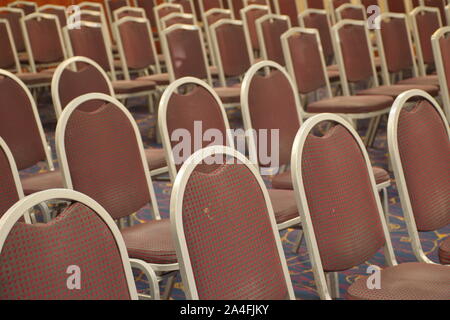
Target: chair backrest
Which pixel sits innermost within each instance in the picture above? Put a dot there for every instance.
(184, 52)
(395, 45)
(28, 7)
(89, 41)
(188, 6)
(101, 155)
(425, 22)
(83, 239)
(351, 11)
(129, 12)
(236, 222)
(305, 60)
(354, 53)
(211, 17)
(190, 106)
(43, 40)
(163, 10)
(236, 6)
(59, 11)
(21, 126)
(89, 5)
(269, 101)
(441, 50)
(177, 18)
(234, 56)
(10, 186)
(269, 29)
(14, 16)
(8, 55)
(319, 19)
(249, 15)
(419, 146)
(314, 4)
(288, 8)
(113, 5)
(206, 5)
(440, 4)
(148, 6)
(90, 16)
(75, 77)
(136, 45)
(341, 211)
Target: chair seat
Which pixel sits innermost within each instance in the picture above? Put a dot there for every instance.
(229, 94)
(32, 78)
(42, 181)
(161, 79)
(150, 241)
(444, 251)
(351, 105)
(407, 281)
(395, 90)
(283, 180)
(284, 205)
(425, 80)
(156, 158)
(131, 86)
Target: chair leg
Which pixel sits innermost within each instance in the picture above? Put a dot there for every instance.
(333, 284)
(375, 130)
(386, 204)
(298, 242)
(169, 286)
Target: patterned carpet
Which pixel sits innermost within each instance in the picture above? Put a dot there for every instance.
(299, 264)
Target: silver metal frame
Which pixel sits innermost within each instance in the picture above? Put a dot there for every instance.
(350, 6)
(191, 4)
(158, 18)
(259, 30)
(245, 22)
(176, 15)
(439, 62)
(207, 28)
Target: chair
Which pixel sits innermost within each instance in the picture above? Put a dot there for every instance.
(191, 107)
(43, 40)
(211, 17)
(343, 218)
(185, 56)
(288, 8)
(163, 10)
(397, 52)
(425, 22)
(22, 130)
(82, 239)
(101, 155)
(249, 15)
(441, 51)
(28, 7)
(269, 29)
(59, 11)
(9, 60)
(418, 137)
(148, 6)
(440, 4)
(206, 5)
(236, 6)
(14, 17)
(351, 11)
(333, 5)
(314, 4)
(247, 255)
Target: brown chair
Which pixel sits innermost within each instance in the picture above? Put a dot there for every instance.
(441, 51)
(177, 18)
(440, 4)
(128, 12)
(269, 29)
(419, 145)
(351, 11)
(288, 8)
(22, 130)
(188, 7)
(113, 5)
(83, 241)
(236, 6)
(206, 109)
(206, 5)
(343, 219)
(210, 18)
(163, 10)
(102, 155)
(249, 15)
(185, 56)
(14, 17)
(314, 4)
(148, 6)
(236, 242)
(28, 7)
(59, 11)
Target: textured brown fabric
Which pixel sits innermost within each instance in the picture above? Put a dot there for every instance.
(131, 13)
(444, 251)
(31, 78)
(26, 8)
(271, 103)
(284, 205)
(179, 20)
(338, 3)
(353, 14)
(233, 50)
(104, 160)
(16, 29)
(213, 18)
(151, 242)
(160, 79)
(272, 30)
(396, 90)
(148, 6)
(431, 80)
(60, 13)
(162, 12)
(444, 44)
(351, 104)
(424, 148)
(8, 192)
(341, 201)
(113, 5)
(427, 24)
(186, 4)
(315, 4)
(42, 181)
(237, 6)
(7, 53)
(44, 40)
(321, 23)
(211, 4)
(131, 86)
(18, 125)
(289, 8)
(406, 281)
(252, 16)
(156, 158)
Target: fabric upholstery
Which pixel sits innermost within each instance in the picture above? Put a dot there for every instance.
(7, 60)
(395, 90)
(351, 104)
(272, 30)
(252, 16)
(42, 181)
(8, 191)
(321, 23)
(131, 86)
(427, 24)
(16, 29)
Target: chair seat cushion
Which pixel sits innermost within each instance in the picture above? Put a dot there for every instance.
(407, 281)
(352, 104)
(150, 241)
(284, 205)
(283, 180)
(42, 181)
(156, 158)
(229, 94)
(444, 251)
(32, 78)
(425, 80)
(161, 79)
(131, 86)
(397, 89)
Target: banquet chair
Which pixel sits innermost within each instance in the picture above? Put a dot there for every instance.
(313, 4)
(191, 106)
(425, 21)
(343, 219)
(235, 6)
(439, 4)
(249, 15)
(210, 18)
(333, 5)
(351, 11)
(102, 155)
(288, 8)
(236, 242)
(28, 7)
(162, 10)
(148, 6)
(113, 5)
(83, 239)
(441, 51)
(419, 145)
(206, 5)
(269, 29)
(14, 17)
(177, 18)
